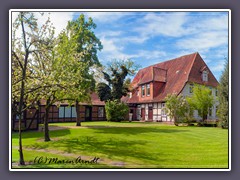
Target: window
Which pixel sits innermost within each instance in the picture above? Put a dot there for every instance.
(61, 112)
(205, 76)
(143, 91)
(66, 112)
(100, 111)
(190, 88)
(210, 112)
(216, 109)
(163, 109)
(216, 92)
(130, 95)
(148, 89)
(211, 91)
(137, 92)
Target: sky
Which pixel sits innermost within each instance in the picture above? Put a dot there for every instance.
(152, 37)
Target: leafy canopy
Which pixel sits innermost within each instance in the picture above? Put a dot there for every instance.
(116, 85)
(223, 96)
(178, 108)
(201, 100)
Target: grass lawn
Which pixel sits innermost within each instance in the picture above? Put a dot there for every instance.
(126, 145)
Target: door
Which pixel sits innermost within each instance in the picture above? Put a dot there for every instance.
(150, 113)
(143, 114)
(88, 113)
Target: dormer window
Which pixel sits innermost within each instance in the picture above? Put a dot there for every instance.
(148, 89)
(143, 90)
(205, 76)
(130, 95)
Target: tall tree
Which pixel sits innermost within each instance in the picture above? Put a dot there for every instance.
(223, 96)
(178, 108)
(43, 71)
(80, 34)
(23, 46)
(116, 85)
(202, 100)
(87, 41)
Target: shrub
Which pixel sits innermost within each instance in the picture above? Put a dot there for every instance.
(116, 111)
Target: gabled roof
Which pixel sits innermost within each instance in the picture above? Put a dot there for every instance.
(154, 74)
(174, 74)
(95, 100)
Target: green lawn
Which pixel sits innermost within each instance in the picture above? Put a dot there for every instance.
(127, 145)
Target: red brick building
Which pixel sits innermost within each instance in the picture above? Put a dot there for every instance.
(152, 84)
(93, 111)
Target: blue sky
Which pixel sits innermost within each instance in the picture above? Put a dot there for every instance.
(152, 37)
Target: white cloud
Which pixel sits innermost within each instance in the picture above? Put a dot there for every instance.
(109, 45)
(203, 41)
(167, 24)
(110, 33)
(111, 50)
(216, 23)
(105, 16)
(150, 55)
(58, 19)
(133, 39)
(218, 66)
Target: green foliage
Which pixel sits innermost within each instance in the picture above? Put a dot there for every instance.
(86, 40)
(115, 76)
(223, 94)
(78, 48)
(178, 108)
(104, 91)
(201, 100)
(116, 111)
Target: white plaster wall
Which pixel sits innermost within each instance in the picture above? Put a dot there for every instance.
(185, 92)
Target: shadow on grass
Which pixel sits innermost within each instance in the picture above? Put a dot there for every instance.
(112, 148)
(37, 134)
(134, 130)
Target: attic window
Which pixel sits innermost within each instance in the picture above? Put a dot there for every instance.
(143, 90)
(130, 95)
(148, 89)
(205, 76)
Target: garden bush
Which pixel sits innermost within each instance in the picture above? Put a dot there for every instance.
(116, 111)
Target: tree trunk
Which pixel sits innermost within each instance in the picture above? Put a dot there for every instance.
(78, 120)
(46, 130)
(21, 159)
(204, 117)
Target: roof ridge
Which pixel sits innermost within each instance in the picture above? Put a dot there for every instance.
(194, 59)
(154, 65)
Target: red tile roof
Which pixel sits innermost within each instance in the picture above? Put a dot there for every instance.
(95, 100)
(174, 74)
(154, 74)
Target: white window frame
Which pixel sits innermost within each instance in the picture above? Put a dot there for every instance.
(205, 76)
(143, 90)
(148, 88)
(71, 112)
